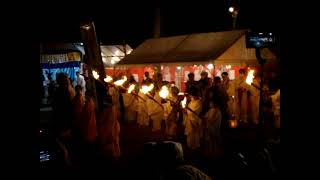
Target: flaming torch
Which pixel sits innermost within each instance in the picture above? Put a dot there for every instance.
(120, 81)
(95, 74)
(164, 92)
(131, 88)
(146, 89)
(108, 79)
(184, 106)
(184, 102)
(130, 91)
(250, 77)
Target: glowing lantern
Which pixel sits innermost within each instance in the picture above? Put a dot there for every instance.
(233, 123)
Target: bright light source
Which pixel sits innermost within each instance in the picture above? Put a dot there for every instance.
(129, 51)
(108, 79)
(210, 66)
(184, 102)
(179, 67)
(95, 74)
(161, 67)
(231, 9)
(131, 88)
(40, 131)
(250, 77)
(112, 61)
(121, 81)
(270, 34)
(164, 93)
(228, 66)
(81, 44)
(260, 33)
(86, 27)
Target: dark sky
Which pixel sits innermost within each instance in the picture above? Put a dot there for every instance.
(133, 22)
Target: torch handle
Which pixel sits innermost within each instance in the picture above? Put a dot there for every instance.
(150, 97)
(187, 108)
(138, 96)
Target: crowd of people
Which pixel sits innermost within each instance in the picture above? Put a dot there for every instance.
(210, 104)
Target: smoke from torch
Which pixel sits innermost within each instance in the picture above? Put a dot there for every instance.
(250, 77)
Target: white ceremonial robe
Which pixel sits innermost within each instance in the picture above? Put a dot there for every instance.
(192, 124)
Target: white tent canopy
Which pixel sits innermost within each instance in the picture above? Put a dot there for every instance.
(228, 47)
(112, 54)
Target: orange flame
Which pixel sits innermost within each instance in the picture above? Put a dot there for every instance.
(121, 81)
(184, 102)
(131, 88)
(95, 74)
(108, 79)
(145, 89)
(164, 92)
(250, 77)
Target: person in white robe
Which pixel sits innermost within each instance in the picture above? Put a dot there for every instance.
(242, 97)
(109, 130)
(155, 111)
(212, 136)
(131, 107)
(192, 121)
(142, 111)
(228, 85)
(80, 81)
(171, 113)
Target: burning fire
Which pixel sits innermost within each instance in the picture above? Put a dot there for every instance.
(108, 79)
(121, 81)
(145, 89)
(95, 74)
(164, 92)
(131, 88)
(184, 102)
(250, 77)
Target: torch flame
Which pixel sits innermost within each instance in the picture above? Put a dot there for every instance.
(131, 88)
(145, 89)
(121, 81)
(250, 77)
(95, 74)
(184, 102)
(108, 79)
(164, 92)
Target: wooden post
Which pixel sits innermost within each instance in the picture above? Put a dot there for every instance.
(93, 54)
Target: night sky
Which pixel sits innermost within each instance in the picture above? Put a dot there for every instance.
(133, 22)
